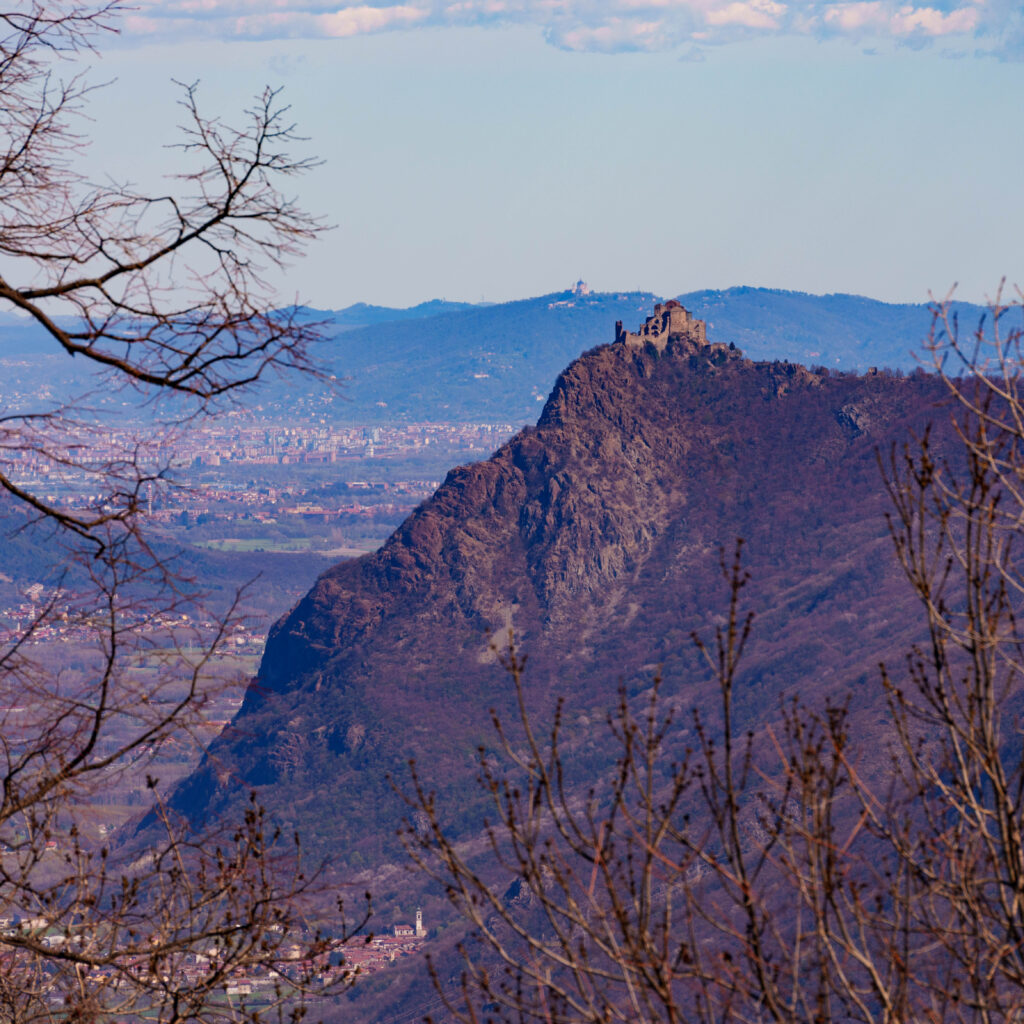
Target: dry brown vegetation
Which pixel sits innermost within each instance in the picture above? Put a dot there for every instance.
(810, 870)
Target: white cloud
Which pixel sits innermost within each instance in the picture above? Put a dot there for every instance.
(614, 36)
(353, 21)
(595, 25)
(878, 18)
(756, 14)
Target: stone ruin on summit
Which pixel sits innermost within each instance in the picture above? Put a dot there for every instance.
(670, 320)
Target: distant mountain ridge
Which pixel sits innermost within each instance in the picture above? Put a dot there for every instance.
(360, 314)
(497, 362)
(848, 332)
(458, 361)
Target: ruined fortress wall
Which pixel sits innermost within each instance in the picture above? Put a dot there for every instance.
(668, 321)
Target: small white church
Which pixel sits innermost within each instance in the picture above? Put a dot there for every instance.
(406, 931)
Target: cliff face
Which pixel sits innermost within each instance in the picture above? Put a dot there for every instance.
(596, 537)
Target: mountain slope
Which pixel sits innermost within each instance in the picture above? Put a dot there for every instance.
(596, 536)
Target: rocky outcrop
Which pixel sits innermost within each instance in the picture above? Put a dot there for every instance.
(595, 536)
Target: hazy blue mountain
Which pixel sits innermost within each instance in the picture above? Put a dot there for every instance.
(484, 363)
(21, 336)
(495, 363)
(361, 314)
(845, 331)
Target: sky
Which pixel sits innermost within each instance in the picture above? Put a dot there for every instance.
(498, 149)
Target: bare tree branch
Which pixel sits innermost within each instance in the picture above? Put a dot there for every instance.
(166, 295)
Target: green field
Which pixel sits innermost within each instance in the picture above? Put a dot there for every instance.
(260, 544)
(313, 545)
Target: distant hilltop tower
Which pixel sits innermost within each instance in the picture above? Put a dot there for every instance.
(419, 924)
(670, 320)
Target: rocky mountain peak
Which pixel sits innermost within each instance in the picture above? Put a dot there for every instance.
(595, 535)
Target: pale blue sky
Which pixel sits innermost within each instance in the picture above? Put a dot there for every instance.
(478, 157)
